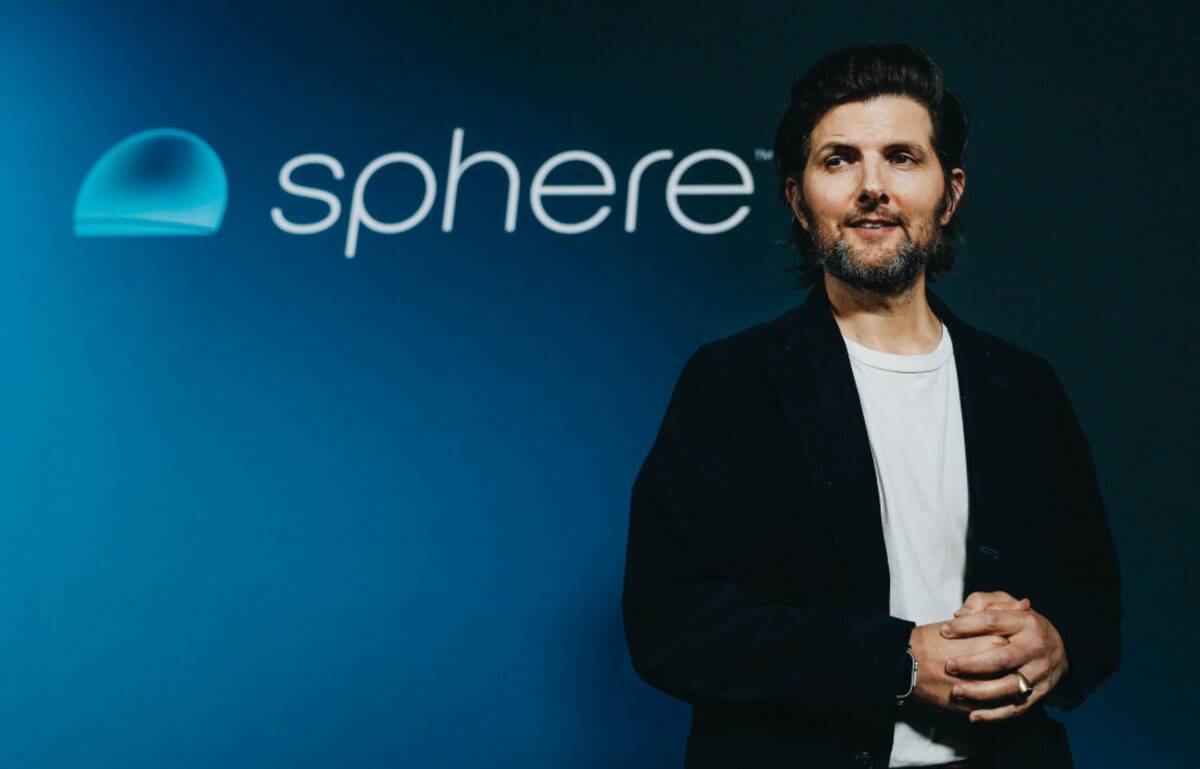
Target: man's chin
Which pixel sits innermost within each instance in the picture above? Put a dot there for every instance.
(876, 262)
(885, 286)
(872, 264)
(882, 274)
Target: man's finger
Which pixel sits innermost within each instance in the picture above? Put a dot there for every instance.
(996, 714)
(1020, 605)
(978, 600)
(988, 622)
(1005, 689)
(991, 662)
(1006, 711)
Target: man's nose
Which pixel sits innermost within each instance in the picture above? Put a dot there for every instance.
(872, 188)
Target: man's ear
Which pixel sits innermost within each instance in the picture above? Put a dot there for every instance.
(792, 191)
(958, 185)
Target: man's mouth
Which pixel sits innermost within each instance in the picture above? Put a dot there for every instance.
(873, 224)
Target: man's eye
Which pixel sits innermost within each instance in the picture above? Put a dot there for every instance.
(903, 157)
(829, 162)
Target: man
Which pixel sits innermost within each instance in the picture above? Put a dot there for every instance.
(830, 534)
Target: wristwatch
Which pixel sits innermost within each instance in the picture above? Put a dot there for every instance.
(912, 681)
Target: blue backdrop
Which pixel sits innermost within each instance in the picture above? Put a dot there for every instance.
(268, 506)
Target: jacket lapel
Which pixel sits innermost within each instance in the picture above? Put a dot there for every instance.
(989, 413)
(809, 366)
(811, 370)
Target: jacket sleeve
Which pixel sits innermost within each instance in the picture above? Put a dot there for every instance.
(1083, 590)
(693, 629)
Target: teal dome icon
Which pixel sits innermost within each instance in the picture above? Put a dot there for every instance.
(163, 181)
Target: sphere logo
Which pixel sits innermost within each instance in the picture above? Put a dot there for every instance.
(167, 181)
(163, 181)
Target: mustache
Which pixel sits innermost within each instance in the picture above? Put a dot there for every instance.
(880, 216)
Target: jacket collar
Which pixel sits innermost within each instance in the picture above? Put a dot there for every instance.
(809, 366)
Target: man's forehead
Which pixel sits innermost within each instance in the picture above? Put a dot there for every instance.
(882, 120)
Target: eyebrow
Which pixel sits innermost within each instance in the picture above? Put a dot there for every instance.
(916, 149)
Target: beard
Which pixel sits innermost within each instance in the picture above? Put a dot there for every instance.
(899, 270)
(897, 273)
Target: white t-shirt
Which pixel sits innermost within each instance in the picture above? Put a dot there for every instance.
(914, 421)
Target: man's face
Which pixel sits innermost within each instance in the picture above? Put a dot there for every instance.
(874, 199)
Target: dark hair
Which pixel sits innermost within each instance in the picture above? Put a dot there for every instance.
(858, 74)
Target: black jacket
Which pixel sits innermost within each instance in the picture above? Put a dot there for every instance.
(756, 577)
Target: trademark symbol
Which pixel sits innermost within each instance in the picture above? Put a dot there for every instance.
(764, 155)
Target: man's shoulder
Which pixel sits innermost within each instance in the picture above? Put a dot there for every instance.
(742, 351)
(740, 345)
(1012, 361)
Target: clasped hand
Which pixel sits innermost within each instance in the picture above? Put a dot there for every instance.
(967, 663)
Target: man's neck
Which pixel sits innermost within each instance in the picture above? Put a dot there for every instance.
(902, 325)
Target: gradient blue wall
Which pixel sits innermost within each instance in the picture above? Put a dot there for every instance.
(265, 506)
